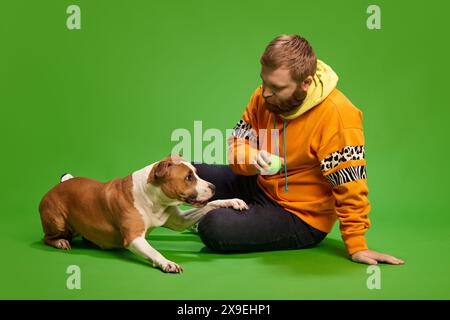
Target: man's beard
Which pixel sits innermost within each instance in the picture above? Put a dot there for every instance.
(285, 107)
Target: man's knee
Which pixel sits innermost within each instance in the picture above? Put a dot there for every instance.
(212, 171)
(213, 229)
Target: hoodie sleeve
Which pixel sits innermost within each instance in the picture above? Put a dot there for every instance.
(243, 144)
(343, 164)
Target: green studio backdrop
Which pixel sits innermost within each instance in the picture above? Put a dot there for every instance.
(104, 100)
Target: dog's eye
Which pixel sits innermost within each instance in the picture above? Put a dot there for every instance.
(189, 177)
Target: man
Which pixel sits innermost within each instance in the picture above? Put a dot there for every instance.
(300, 114)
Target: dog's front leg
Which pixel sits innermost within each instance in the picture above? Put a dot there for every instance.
(235, 203)
(179, 220)
(141, 247)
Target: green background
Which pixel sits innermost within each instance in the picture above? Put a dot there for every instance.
(103, 101)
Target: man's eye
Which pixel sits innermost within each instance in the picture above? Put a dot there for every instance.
(272, 88)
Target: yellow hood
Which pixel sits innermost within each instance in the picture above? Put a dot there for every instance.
(324, 81)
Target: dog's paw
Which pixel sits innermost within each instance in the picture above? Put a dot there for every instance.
(235, 203)
(168, 266)
(63, 244)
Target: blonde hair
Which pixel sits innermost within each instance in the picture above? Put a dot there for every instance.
(292, 52)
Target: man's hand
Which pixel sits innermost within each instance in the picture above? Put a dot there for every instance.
(262, 161)
(373, 257)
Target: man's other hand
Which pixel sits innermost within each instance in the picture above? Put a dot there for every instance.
(373, 257)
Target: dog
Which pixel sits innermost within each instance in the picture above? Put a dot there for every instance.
(121, 212)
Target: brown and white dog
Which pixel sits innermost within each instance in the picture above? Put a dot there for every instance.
(119, 213)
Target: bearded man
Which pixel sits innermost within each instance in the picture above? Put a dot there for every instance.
(298, 114)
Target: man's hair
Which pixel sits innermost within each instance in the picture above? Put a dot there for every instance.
(292, 52)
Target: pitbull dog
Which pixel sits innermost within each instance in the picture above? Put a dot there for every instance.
(119, 213)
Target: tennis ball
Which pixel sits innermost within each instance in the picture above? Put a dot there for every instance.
(274, 165)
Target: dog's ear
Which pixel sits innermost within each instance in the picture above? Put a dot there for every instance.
(176, 159)
(159, 171)
(162, 169)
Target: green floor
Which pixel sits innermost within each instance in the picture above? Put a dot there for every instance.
(31, 270)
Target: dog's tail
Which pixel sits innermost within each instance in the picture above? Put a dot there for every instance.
(65, 176)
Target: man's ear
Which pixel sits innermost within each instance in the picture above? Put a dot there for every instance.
(306, 83)
(159, 171)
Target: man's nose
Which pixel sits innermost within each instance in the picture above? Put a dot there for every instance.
(267, 93)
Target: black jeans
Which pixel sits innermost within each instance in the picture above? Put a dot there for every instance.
(264, 226)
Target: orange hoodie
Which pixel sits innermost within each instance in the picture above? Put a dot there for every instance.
(324, 175)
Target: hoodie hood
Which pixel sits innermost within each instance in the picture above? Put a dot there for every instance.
(324, 81)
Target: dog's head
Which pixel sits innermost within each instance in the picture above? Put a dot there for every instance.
(179, 181)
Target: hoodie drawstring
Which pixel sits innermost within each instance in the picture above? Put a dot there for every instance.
(284, 156)
(275, 138)
(286, 189)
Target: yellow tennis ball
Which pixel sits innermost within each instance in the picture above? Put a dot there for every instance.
(274, 165)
